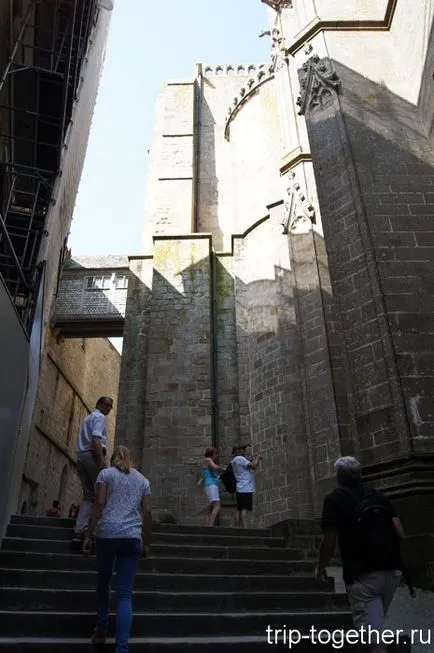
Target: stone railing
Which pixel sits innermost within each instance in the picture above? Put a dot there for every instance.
(233, 69)
(303, 534)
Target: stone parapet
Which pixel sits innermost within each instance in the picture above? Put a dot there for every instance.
(303, 534)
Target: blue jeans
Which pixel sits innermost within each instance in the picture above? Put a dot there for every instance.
(126, 552)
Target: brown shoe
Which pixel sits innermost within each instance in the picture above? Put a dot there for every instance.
(99, 636)
(78, 538)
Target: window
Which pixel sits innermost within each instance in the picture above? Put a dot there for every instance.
(98, 283)
(121, 281)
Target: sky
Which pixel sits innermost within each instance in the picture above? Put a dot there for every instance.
(150, 41)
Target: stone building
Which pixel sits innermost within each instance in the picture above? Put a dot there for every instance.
(284, 295)
(75, 372)
(51, 56)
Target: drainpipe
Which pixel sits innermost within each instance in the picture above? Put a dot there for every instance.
(198, 106)
(214, 376)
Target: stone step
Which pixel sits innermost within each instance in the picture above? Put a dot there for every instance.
(157, 527)
(27, 520)
(60, 579)
(29, 599)
(215, 538)
(239, 644)
(167, 624)
(165, 550)
(174, 565)
(211, 536)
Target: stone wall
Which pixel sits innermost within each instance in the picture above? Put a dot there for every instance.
(375, 270)
(207, 173)
(227, 390)
(269, 367)
(169, 201)
(373, 163)
(320, 342)
(74, 374)
(238, 163)
(255, 388)
(304, 535)
(216, 213)
(130, 426)
(178, 407)
(315, 313)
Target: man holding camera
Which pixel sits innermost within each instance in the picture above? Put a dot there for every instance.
(243, 470)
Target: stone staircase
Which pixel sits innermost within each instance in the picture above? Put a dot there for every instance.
(201, 590)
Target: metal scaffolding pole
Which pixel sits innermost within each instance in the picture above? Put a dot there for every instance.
(37, 89)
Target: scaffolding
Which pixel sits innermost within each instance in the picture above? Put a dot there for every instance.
(48, 40)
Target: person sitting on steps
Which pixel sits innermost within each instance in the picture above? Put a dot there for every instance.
(54, 511)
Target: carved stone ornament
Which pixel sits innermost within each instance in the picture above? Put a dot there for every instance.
(280, 63)
(299, 212)
(278, 50)
(318, 82)
(277, 5)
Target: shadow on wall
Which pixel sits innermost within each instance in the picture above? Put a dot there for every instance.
(374, 166)
(182, 371)
(271, 394)
(378, 219)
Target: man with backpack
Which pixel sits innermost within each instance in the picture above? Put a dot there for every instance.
(368, 531)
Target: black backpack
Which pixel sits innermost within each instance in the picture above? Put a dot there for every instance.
(376, 541)
(228, 479)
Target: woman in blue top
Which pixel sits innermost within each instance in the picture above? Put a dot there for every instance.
(210, 482)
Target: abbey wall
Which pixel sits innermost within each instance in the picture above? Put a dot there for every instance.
(212, 347)
(283, 299)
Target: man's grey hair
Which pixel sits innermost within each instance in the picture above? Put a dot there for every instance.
(348, 471)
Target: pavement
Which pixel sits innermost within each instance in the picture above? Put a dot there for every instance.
(406, 613)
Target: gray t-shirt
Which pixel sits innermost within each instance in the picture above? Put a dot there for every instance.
(122, 516)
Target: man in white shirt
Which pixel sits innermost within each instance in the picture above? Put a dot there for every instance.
(243, 471)
(91, 451)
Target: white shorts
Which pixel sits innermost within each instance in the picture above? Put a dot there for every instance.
(212, 493)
